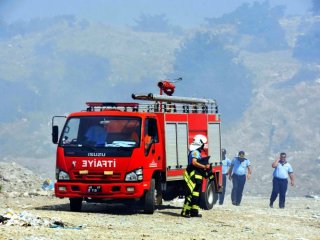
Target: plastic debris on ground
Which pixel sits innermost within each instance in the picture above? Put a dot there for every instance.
(47, 185)
(27, 219)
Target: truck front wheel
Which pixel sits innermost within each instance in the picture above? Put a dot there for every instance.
(209, 197)
(149, 199)
(75, 204)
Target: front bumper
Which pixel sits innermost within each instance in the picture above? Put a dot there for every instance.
(108, 190)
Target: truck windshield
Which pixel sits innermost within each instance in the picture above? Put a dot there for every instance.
(100, 131)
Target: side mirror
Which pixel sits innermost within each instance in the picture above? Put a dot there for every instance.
(55, 134)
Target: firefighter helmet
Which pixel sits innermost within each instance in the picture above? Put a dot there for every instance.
(198, 142)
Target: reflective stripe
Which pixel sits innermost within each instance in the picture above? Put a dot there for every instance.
(195, 207)
(196, 194)
(191, 185)
(186, 208)
(197, 176)
(188, 180)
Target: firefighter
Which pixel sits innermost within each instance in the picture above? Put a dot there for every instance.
(193, 176)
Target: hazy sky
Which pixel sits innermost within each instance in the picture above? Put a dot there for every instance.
(186, 13)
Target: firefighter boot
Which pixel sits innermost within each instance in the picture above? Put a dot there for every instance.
(185, 214)
(186, 207)
(195, 213)
(185, 211)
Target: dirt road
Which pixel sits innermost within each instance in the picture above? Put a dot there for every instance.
(50, 218)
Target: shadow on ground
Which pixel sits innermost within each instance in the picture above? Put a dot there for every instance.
(106, 208)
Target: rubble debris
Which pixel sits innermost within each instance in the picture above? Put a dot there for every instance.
(27, 219)
(316, 197)
(17, 179)
(47, 185)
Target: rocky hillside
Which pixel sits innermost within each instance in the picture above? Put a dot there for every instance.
(18, 181)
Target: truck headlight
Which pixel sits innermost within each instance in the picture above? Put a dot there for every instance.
(134, 176)
(62, 175)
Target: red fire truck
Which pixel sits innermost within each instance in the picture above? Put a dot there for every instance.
(131, 152)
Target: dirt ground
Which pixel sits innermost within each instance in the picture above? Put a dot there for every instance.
(50, 218)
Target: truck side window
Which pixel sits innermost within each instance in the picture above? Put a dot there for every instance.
(70, 134)
(150, 134)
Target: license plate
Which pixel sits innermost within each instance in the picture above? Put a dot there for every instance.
(94, 189)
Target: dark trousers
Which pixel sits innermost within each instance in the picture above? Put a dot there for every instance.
(238, 182)
(279, 186)
(224, 185)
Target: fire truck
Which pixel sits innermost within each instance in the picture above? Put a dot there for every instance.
(136, 152)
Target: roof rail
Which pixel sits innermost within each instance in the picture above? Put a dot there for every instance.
(186, 104)
(92, 106)
(172, 99)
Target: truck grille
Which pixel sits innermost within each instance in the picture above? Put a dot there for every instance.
(97, 175)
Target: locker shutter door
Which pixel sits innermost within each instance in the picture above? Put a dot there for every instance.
(171, 145)
(182, 135)
(214, 141)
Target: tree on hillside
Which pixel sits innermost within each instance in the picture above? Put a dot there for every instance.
(260, 21)
(210, 71)
(38, 25)
(154, 23)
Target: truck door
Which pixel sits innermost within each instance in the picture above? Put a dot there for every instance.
(151, 148)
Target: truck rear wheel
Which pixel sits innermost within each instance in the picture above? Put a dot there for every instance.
(149, 199)
(209, 197)
(75, 204)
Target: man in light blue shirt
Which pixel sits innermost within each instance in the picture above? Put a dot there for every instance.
(226, 163)
(239, 171)
(282, 170)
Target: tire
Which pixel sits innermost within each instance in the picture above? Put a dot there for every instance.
(75, 204)
(209, 197)
(149, 199)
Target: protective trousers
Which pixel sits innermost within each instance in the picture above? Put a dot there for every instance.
(193, 179)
